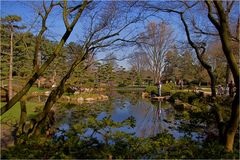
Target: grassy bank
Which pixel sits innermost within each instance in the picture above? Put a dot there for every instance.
(13, 114)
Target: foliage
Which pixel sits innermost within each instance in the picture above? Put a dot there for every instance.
(165, 89)
(168, 87)
(152, 89)
(124, 146)
(183, 96)
(182, 66)
(91, 136)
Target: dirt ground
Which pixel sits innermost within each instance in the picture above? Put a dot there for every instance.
(6, 136)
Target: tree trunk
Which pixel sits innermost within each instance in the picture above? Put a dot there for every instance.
(54, 95)
(220, 122)
(199, 54)
(37, 64)
(38, 83)
(213, 81)
(2, 83)
(36, 75)
(233, 124)
(209, 71)
(222, 25)
(23, 116)
(234, 119)
(10, 68)
(227, 74)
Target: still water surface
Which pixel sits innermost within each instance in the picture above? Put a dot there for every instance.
(151, 117)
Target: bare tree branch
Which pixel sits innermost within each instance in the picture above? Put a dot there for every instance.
(210, 16)
(229, 6)
(65, 14)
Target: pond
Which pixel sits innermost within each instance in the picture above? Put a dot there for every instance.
(125, 127)
(149, 118)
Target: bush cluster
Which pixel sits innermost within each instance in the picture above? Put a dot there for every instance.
(165, 89)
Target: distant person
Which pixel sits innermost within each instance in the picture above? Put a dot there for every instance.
(226, 92)
(180, 83)
(220, 90)
(234, 90)
(231, 86)
(159, 88)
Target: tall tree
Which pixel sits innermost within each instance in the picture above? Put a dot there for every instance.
(138, 62)
(200, 50)
(199, 44)
(221, 22)
(9, 22)
(156, 42)
(218, 61)
(218, 12)
(173, 61)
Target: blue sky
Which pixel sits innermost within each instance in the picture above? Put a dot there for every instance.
(55, 23)
(26, 10)
(56, 27)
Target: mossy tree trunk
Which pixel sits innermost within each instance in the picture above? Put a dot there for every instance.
(53, 97)
(222, 25)
(227, 74)
(19, 130)
(23, 116)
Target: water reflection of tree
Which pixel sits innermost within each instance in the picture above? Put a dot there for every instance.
(142, 125)
(131, 96)
(73, 114)
(152, 120)
(158, 119)
(165, 117)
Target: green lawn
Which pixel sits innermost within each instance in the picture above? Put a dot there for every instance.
(35, 89)
(206, 89)
(13, 114)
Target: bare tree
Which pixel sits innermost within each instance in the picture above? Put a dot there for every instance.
(103, 30)
(218, 61)
(156, 42)
(138, 61)
(198, 44)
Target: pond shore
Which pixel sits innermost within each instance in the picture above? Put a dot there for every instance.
(76, 98)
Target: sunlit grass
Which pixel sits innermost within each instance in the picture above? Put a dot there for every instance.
(35, 89)
(13, 114)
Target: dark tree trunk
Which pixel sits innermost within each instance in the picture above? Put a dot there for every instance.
(213, 81)
(53, 97)
(23, 117)
(10, 68)
(227, 74)
(200, 50)
(222, 25)
(232, 124)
